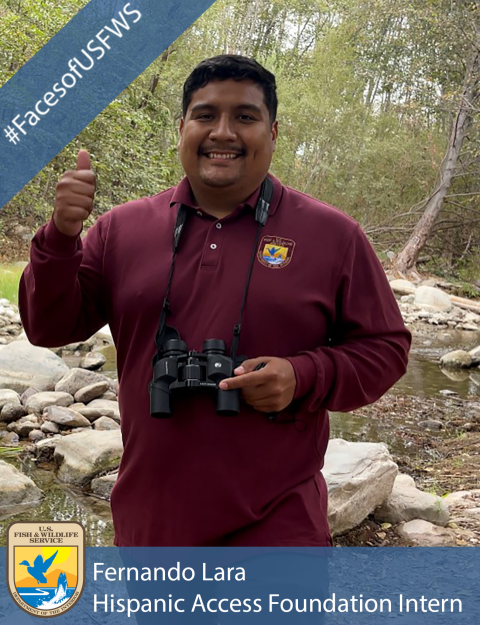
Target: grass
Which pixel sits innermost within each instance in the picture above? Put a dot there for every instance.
(9, 280)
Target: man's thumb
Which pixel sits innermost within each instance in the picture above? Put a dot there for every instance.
(83, 160)
(249, 365)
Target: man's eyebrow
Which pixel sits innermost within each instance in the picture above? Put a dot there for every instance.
(212, 107)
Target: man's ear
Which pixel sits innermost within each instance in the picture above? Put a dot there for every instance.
(180, 132)
(274, 135)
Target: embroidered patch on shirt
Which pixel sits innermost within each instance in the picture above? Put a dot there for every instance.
(275, 252)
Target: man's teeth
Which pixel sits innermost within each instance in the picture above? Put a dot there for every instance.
(224, 156)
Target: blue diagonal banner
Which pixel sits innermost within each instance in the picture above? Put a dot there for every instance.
(77, 74)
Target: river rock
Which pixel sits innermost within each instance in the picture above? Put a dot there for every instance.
(425, 534)
(7, 396)
(49, 427)
(430, 424)
(464, 505)
(31, 390)
(65, 417)
(101, 408)
(24, 426)
(16, 489)
(102, 486)
(9, 439)
(12, 412)
(93, 361)
(457, 359)
(105, 423)
(84, 455)
(110, 395)
(360, 477)
(76, 379)
(45, 449)
(432, 299)
(91, 392)
(402, 287)
(38, 402)
(23, 365)
(475, 354)
(35, 436)
(406, 503)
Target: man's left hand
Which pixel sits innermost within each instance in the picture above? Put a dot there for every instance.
(270, 389)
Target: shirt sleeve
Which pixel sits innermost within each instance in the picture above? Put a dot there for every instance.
(61, 292)
(369, 345)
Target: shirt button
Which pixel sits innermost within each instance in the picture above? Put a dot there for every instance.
(213, 246)
(219, 226)
(199, 213)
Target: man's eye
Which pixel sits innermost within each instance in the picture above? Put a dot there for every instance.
(247, 118)
(204, 116)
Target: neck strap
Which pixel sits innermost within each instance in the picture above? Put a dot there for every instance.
(165, 332)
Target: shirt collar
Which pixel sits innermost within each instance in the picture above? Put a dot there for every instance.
(183, 195)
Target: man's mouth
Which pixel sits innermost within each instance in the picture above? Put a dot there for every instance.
(225, 156)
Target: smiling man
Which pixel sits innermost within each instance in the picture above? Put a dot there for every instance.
(296, 288)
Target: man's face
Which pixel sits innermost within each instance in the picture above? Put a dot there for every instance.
(227, 139)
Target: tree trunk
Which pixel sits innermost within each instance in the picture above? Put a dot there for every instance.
(407, 258)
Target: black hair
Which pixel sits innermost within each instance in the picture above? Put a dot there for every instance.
(236, 67)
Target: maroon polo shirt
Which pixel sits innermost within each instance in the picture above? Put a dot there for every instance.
(318, 296)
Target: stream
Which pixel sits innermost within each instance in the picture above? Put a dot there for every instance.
(423, 379)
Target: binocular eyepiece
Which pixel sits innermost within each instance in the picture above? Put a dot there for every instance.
(180, 369)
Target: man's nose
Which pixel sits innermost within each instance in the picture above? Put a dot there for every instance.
(223, 129)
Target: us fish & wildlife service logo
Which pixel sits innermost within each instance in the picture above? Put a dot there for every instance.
(46, 566)
(275, 252)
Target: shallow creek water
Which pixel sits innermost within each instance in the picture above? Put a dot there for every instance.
(423, 379)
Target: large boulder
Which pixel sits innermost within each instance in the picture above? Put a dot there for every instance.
(23, 365)
(83, 456)
(432, 299)
(16, 490)
(360, 477)
(406, 503)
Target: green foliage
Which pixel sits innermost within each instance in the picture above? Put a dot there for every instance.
(366, 91)
(9, 281)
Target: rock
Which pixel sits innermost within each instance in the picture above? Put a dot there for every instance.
(65, 417)
(38, 402)
(464, 505)
(24, 426)
(430, 424)
(110, 395)
(12, 412)
(402, 287)
(101, 408)
(45, 449)
(76, 379)
(35, 436)
(92, 391)
(447, 392)
(105, 423)
(31, 390)
(102, 486)
(475, 354)
(9, 439)
(49, 427)
(469, 327)
(433, 299)
(360, 477)
(23, 365)
(406, 503)
(84, 455)
(7, 396)
(93, 361)
(457, 359)
(16, 489)
(425, 534)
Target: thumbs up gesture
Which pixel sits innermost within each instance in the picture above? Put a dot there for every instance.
(74, 197)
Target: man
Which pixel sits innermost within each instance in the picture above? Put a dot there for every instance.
(319, 317)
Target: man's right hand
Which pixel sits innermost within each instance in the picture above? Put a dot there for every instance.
(74, 198)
